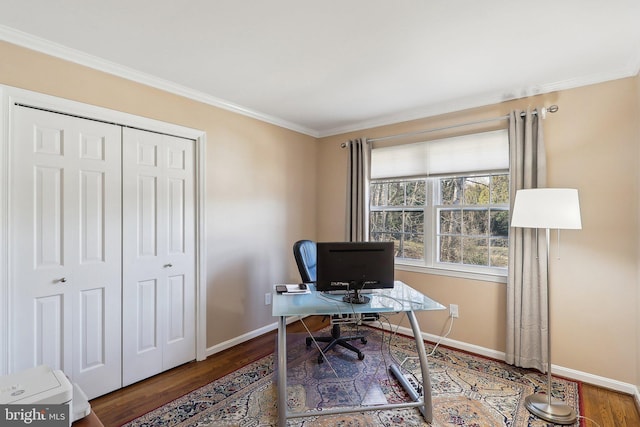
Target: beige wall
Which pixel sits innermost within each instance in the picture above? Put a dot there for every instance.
(592, 145)
(267, 187)
(595, 149)
(637, 317)
(260, 185)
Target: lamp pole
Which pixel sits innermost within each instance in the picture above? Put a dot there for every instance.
(544, 406)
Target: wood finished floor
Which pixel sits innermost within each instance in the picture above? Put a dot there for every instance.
(607, 408)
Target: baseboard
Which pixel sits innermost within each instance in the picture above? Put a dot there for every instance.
(246, 337)
(459, 345)
(555, 369)
(596, 380)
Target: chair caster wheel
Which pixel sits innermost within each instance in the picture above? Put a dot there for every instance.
(320, 359)
(363, 340)
(360, 356)
(308, 340)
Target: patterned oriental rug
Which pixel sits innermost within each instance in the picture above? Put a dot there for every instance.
(467, 390)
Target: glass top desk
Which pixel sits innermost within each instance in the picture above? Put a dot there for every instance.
(402, 298)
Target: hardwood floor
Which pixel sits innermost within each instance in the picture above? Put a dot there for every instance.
(607, 408)
(121, 406)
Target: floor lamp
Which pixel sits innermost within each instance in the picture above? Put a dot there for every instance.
(548, 208)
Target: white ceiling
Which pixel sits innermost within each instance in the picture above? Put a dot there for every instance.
(328, 66)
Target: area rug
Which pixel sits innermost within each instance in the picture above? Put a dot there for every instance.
(467, 390)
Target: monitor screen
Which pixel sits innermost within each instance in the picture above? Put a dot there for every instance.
(354, 266)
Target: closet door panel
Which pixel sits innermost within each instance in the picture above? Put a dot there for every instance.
(48, 217)
(179, 327)
(147, 217)
(176, 311)
(66, 246)
(158, 248)
(92, 340)
(97, 257)
(176, 212)
(92, 213)
(147, 313)
(142, 268)
(49, 344)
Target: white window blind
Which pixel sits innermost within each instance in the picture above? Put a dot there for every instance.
(479, 152)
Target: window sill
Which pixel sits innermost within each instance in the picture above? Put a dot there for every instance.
(472, 275)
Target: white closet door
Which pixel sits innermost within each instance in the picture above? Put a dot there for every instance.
(66, 251)
(158, 253)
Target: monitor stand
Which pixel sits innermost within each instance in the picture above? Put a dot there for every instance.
(354, 297)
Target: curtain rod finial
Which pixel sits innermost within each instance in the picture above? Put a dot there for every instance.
(549, 109)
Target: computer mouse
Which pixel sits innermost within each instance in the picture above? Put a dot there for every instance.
(303, 286)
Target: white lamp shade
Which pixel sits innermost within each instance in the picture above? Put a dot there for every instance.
(547, 208)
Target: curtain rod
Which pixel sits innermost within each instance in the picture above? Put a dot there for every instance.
(550, 109)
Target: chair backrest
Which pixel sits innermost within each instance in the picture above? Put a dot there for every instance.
(304, 251)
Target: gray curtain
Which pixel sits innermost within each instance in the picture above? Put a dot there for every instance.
(527, 327)
(358, 177)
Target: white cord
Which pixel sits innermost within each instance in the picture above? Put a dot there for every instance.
(433, 351)
(588, 419)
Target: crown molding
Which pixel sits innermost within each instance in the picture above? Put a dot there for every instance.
(72, 55)
(632, 70)
(47, 47)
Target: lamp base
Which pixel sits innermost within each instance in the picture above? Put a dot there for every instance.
(557, 412)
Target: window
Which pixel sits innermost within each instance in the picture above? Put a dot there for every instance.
(454, 221)
(472, 216)
(397, 214)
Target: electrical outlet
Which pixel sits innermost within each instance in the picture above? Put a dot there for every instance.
(453, 310)
(267, 298)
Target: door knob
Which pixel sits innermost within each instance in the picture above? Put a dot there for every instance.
(168, 265)
(63, 280)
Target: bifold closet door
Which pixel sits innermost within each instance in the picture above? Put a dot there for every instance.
(65, 217)
(158, 253)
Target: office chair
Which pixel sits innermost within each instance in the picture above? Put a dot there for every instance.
(304, 252)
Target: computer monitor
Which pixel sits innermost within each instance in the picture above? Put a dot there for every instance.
(353, 267)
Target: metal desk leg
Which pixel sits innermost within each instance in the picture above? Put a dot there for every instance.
(427, 409)
(282, 371)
